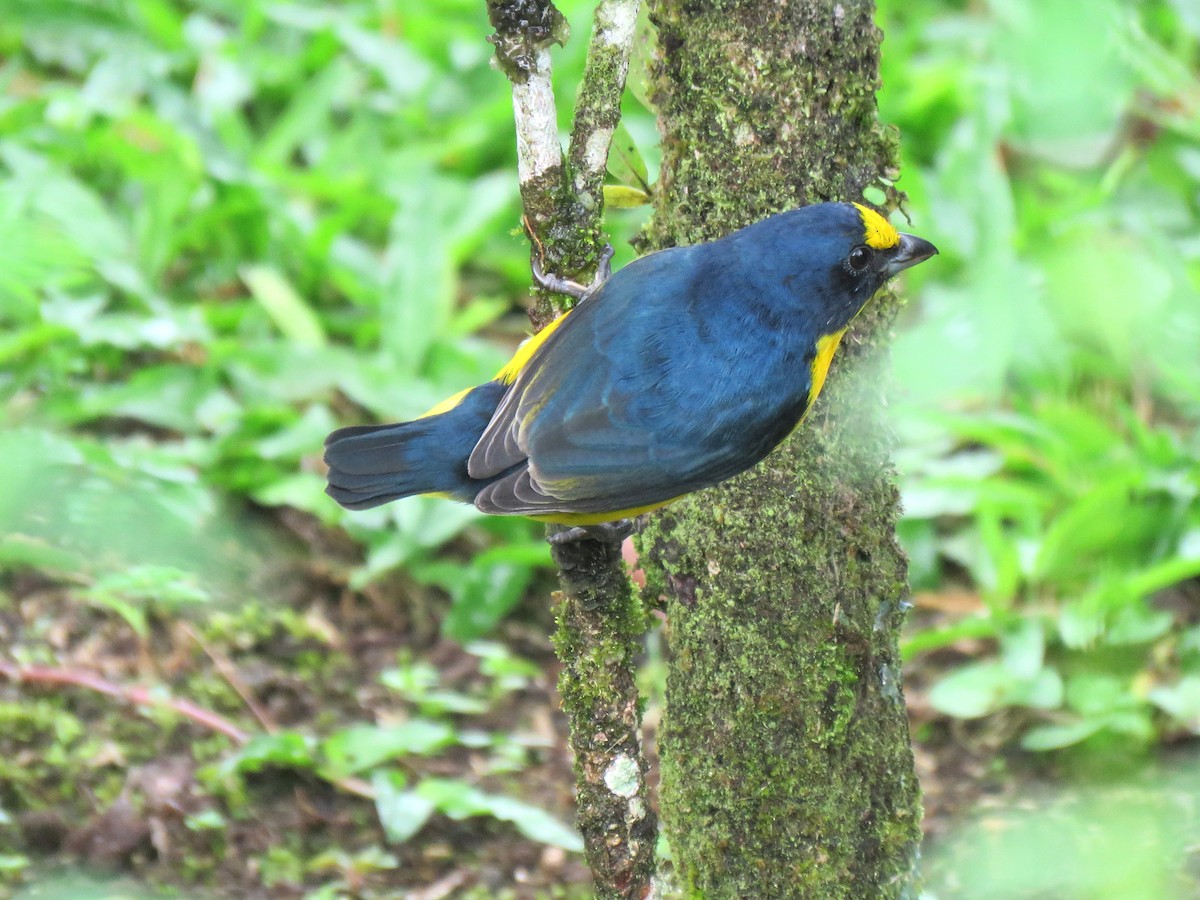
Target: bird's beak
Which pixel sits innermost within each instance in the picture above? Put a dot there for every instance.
(910, 251)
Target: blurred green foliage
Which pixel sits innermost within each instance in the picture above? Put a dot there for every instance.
(1099, 841)
(228, 226)
(377, 751)
(1049, 373)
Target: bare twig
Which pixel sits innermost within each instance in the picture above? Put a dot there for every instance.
(538, 153)
(144, 697)
(525, 31)
(230, 673)
(137, 696)
(599, 619)
(443, 887)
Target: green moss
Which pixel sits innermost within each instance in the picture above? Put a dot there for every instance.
(600, 623)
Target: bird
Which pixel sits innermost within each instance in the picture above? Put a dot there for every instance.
(680, 370)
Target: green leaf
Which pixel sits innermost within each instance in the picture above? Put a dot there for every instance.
(417, 683)
(1055, 737)
(972, 691)
(924, 639)
(419, 274)
(302, 490)
(421, 523)
(625, 161)
(1042, 42)
(206, 820)
(75, 209)
(1044, 691)
(164, 586)
(1160, 575)
(291, 315)
(168, 396)
(978, 689)
(1180, 700)
(25, 551)
(306, 116)
(1101, 524)
(1134, 723)
(476, 314)
(11, 863)
(534, 823)
(490, 589)
(401, 813)
(1091, 273)
(619, 196)
(287, 749)
(1135, 623)
(1098, 693)
(1023, 647)
(459, 800)
(299, 439)
(360, 747)
(1080, 624)
(507, 671)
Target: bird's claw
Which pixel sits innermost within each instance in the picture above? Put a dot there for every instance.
(555, 283)
(551, 282)
(603, 267)
(605, 533)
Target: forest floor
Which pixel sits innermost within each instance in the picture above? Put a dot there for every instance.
(100, 794)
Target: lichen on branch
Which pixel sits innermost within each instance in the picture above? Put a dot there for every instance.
(563, 201)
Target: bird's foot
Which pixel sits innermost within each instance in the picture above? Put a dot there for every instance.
(603, 267)
(605, 533)
(571, 288)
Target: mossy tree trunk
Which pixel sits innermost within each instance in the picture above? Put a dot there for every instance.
(786, 765)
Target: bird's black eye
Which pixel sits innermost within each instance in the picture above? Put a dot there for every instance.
(859, 258)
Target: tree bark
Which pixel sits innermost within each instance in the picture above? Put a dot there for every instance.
(786, 765)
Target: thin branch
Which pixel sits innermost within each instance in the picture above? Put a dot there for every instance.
(136, 696)
(525, 31)
(230, 673)
(539, 155)
(599, 619)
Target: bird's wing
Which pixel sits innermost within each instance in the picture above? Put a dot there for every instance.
(631, 403)
(555, 364)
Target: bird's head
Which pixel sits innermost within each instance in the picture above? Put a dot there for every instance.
(837, 255)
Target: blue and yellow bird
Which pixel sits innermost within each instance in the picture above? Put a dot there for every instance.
(682, 369)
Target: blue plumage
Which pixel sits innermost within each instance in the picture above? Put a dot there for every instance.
(685, 368)
(374, 464)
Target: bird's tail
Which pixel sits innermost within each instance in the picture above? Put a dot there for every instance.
(370, 465)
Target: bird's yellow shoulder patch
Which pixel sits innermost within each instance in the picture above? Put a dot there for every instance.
(877, 231)
(513, 367)
(826, 347)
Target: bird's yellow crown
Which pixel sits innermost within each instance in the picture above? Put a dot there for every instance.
(877, 231)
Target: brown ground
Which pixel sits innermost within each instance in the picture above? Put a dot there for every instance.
(83, 777)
